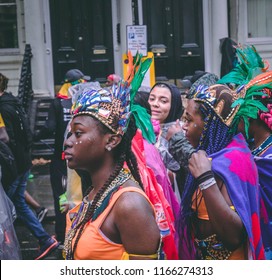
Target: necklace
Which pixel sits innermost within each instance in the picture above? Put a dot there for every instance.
(99, 207)
(266, 143)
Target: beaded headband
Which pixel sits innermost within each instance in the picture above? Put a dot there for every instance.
(108, 105)
(220, 98)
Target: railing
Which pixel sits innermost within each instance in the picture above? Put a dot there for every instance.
(25, 92)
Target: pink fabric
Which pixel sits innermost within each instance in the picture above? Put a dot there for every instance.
(164, 214)
(240, 167)
(154, 161)
(156, 127)
(237, 166)
(267, 116)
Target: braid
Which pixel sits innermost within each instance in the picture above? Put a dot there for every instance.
(130, 156)
(133, 166)
(124, 148)
(92, 208)
(215, 136)
(88, 190)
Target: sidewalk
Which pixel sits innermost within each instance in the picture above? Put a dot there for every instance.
(40, 188)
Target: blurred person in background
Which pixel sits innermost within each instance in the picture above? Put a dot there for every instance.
(112, 79)
(58, 118)
(20, 142)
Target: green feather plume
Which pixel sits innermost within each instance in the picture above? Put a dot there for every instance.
(143, 122)
(141, 67)
(249, 106)
(249, 65)
(142, 118)
(248, 75)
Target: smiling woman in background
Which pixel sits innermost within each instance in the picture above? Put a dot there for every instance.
(166, 108)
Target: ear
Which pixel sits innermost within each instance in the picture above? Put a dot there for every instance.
(113, 141)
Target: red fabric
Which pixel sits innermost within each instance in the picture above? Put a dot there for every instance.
(59, 95)
(110, 77)
(164, 214)
(257, 236)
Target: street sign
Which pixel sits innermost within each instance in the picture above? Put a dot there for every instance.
(137, 39)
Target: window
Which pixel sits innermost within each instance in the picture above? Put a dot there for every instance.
(8, 24)
(259, 14)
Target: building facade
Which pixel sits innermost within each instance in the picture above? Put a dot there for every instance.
(184, 36)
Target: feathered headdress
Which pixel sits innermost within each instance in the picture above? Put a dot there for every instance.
(249, 65)
(113, 106)
(252, 83)
(249, 101)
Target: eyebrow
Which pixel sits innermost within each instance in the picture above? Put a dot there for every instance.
(79, 123)
(187, 114)
(160, 97)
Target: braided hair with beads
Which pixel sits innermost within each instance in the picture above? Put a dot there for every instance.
(215, 136)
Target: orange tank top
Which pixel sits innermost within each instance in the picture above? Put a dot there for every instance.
(93, 244)
(198, 204)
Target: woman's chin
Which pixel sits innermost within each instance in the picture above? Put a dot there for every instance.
(71, 165)
(193, 144)
(155, 118)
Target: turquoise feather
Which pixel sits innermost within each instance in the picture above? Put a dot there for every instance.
(249, 65)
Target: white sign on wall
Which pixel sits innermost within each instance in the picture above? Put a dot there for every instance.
(137, 39)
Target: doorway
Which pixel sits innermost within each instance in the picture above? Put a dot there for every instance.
(82, 38)
(175, 36)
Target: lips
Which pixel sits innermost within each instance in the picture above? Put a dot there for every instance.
(155, 112)
(67, 156)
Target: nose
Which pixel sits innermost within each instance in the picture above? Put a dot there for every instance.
(154, 103)
(68, 143)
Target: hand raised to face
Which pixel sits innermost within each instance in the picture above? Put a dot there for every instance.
(199, 163)
(175, 128)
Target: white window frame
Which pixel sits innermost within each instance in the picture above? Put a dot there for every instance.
(15, 51)
(256, 40)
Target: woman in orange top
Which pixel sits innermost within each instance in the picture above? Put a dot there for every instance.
(116, 219)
